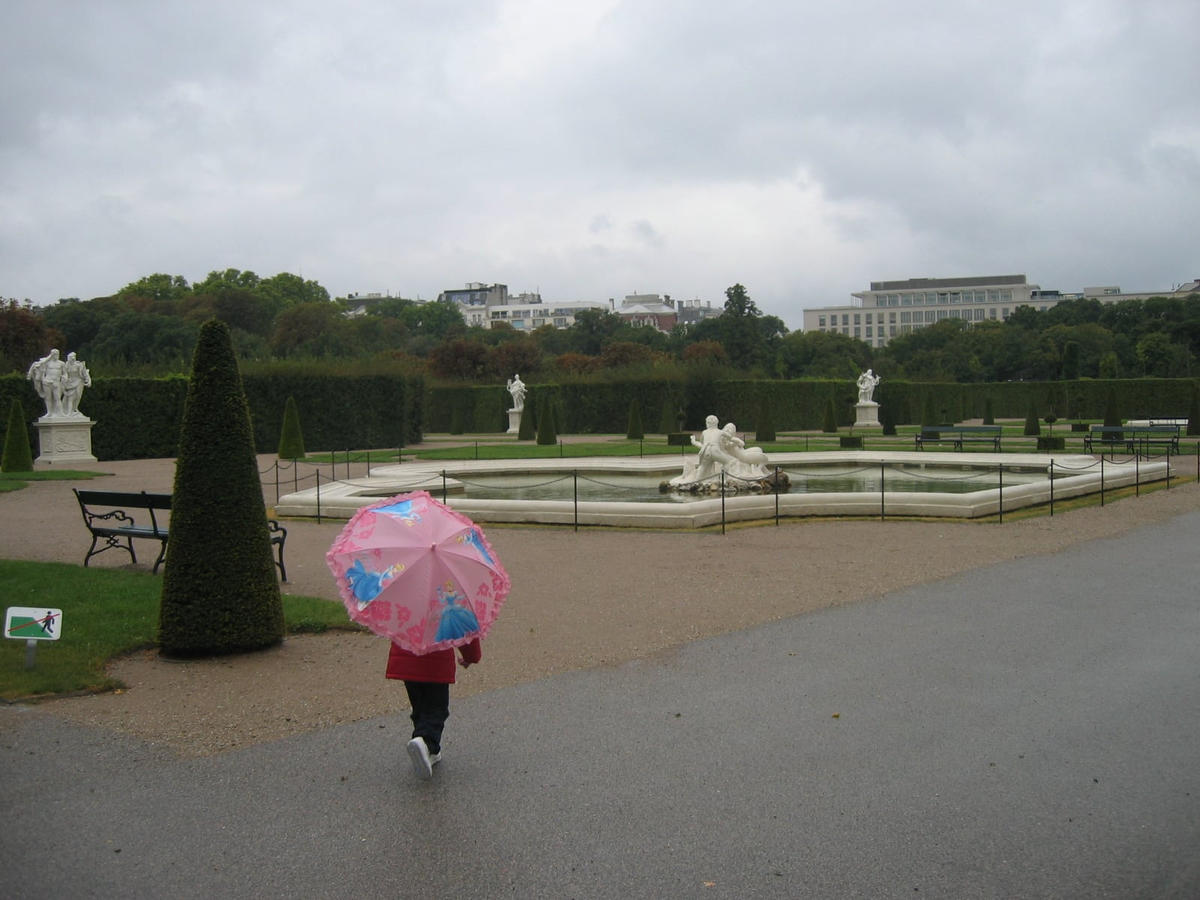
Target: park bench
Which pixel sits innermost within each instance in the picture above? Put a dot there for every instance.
(958, 435)
(1143, 437)
(116, 526)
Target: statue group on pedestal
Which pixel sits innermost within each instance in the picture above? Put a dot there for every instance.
(516, 387)
(867, 383)
(60, 384)
(721, 450)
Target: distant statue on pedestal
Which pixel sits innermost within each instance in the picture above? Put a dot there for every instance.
(75, 378)
(48, 377)
(866, 386)
(516, 387)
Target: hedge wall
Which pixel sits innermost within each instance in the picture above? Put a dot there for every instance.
(140, 417)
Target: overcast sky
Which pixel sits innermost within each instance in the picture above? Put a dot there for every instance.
(590, 150)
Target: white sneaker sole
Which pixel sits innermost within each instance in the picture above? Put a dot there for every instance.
(419, 754)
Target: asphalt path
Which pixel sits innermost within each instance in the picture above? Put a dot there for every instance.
(1026, 730)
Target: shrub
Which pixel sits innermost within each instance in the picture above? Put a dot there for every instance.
(635, 432)
(666, 420)
(291, 439)
(1193, 425)
(545, 426)
(887, 419)
(525, 431)
(1032, 426)
(829, 426)
(17, 455)
(988, 418)
(928, 413)
(766, 428)
(220, 593)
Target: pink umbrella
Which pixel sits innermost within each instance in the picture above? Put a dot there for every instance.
(413, 570)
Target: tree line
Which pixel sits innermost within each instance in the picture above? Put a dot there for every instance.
(151, 325)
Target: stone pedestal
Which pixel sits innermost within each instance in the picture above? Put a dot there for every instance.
(867, 415)
(65, 439)
(514, 421)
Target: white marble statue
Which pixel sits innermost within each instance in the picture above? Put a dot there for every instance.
(866, 386)
(75, 378)
(721, 450)
(48, 377)
(516, 387)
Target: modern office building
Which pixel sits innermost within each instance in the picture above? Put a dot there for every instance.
(890, 308)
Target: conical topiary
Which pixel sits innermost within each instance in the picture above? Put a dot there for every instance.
(1193, 425)
(1032, 426)
(829, 425)
(765, 433)
(988, 418)
(291, 440)
(220, 593)
(887, 418)
(527, 430)
(545, 426)
(666, 421)
(634, 431)
(1112, 417)
(17, 455)
(929, 417)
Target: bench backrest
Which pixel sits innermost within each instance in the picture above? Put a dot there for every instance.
(980, 429)
(124, 499)
(1155, 429)
(1109, 429)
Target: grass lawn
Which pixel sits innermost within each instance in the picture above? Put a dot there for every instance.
(106, 612)
(14, 481)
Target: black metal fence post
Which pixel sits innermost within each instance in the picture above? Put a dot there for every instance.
(1001, 508)
(444, 489)
(575, 490)
(318, 496)
(882, 506)
(1051, 488)
(777, 496)
(1137, 473)
(722, 501)
(1101, 479)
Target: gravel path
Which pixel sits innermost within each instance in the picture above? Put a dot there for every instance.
(579, 600)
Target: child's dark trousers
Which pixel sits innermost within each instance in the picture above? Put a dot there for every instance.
(430, 709)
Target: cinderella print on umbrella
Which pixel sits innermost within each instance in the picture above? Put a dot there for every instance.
(415, 571)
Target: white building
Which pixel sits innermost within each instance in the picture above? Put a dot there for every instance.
(890, 308)
(483, 306)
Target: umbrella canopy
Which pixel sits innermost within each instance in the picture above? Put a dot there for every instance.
(415, 571)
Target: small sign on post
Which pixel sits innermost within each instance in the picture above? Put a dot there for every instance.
(32, 624)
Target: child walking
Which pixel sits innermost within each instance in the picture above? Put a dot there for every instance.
(427, 678)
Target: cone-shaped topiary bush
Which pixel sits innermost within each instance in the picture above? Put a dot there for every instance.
(988, 418)
(887, 418)
(829, 425)
(17, 455)
(545, 426)
(527, 430)
(765, 432)
(1032, 426)
(1193, 425)
(634, 431)
(291, 440)
(929, 417)
(220, 593)
(666, 421)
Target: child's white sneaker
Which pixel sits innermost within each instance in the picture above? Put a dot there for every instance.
(435, 758)
(419, 754)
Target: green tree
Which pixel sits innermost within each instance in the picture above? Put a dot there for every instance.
(829, 424)
(1032, 426)
(17, 455)
(291, 440)
(157, 287)
(765, 432)
(220, 593)
(546, 433)
(1070, 361)
(635, 432)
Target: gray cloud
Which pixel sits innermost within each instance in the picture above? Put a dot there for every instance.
(801, 149)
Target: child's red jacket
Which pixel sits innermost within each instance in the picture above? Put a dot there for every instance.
(438, 667)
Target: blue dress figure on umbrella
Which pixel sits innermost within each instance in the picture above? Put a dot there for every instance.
(474, 539)
(368, 585)
(457, 618)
